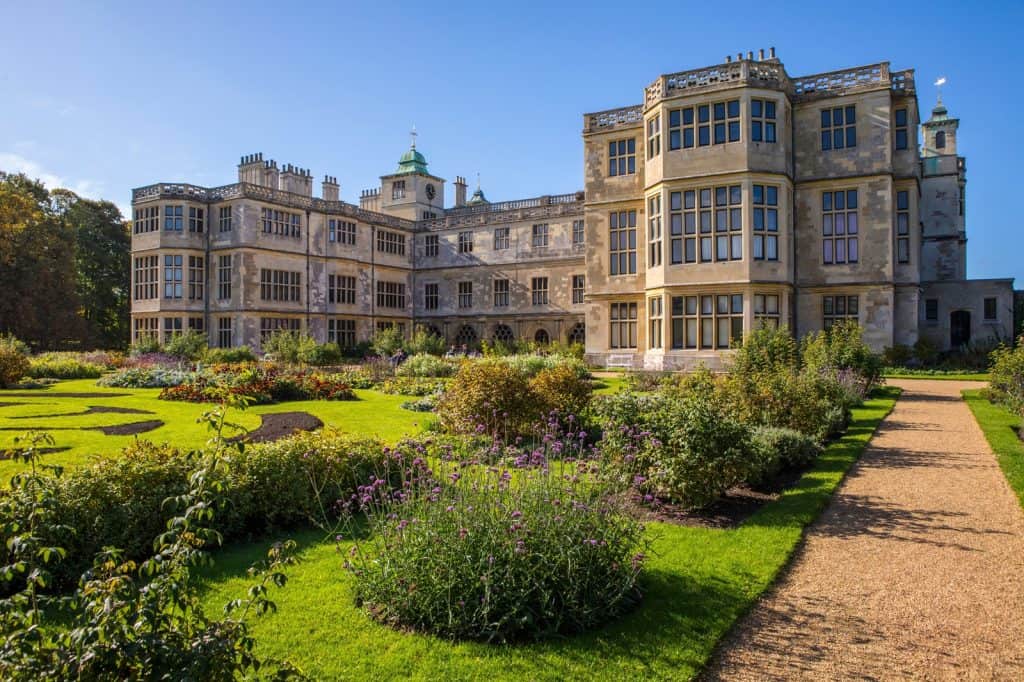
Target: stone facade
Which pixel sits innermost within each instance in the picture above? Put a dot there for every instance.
(732, 196)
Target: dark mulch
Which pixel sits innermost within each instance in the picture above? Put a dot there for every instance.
(9, 454)
(736, 506)
(280, 425)
(129, 429)
(50, 394)
(92, 409)
(9, 404)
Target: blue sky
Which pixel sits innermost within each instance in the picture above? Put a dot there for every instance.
(105, 98)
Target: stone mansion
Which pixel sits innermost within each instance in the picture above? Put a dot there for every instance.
(731, 196)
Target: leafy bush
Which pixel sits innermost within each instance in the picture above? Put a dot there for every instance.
(189, 345)
(842, 348)
(388, 340)
(926, 352)
(687, 447)
(145, 345)
(424, 365)
(561, 389)
(469, 555)
(425, 404)
(319, 354)
(1007, 384)
(159, 377)
(766, 349)
(13, 362)
(488, 394)
(646, 381)
(899, 355)
(261, 384)
(63, 366)
(423, 342)
(236, 355)
(531, 365)
(413, 386)
(285, 346)
(777, 449)
(356, 378)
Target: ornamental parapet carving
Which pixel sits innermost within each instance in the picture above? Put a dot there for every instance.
(538, 208)
(765, 74)
(623, 116)
(858, 79)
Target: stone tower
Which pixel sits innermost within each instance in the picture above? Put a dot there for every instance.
(943, 178)
(411, 192)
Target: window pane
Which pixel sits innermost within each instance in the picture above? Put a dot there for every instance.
(773, 247)
(769, 109)
(854, 257)
(755, 107)
(851, 199)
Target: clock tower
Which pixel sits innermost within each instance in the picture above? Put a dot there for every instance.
(411, 192)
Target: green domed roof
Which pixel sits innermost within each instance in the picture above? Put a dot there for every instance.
(412, 162)
(477, 198)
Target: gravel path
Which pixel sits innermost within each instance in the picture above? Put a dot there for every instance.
(914, 571)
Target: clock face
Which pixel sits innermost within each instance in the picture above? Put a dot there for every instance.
(431, 192)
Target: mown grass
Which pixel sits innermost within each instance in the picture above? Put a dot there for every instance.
(1000, 427)
(698, 582)
(374, 413)
(941, 375)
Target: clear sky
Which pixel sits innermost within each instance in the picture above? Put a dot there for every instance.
(105, 98)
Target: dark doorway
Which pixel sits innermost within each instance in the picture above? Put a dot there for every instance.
(959, 328)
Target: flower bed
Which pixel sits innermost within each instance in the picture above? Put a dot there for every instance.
(262, 384)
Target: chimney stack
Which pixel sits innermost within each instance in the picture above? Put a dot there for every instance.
(270, 174)
(739, 56)
(250, 169)
(460, 191)
(728, 59)
(331, 191)
(771, 53)
(760, 55)
(750, 55)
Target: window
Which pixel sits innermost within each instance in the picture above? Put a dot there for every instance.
(196, 277)
(838, 128)
(900, 135)
(539, 235)
(466, 336)
(281, 223)
(762, 120)
(172, 328)
(654, 231)
(500, 238)
(501, 287)
(727, 121)
(839, 227)
(766, 222)
(428, 215)
(341, 289)
(766, 310)
(398, 189)
(654, 137)
(196, 219)
(173, 220)
(341, 232)
(224, 224)
(172, 277)
(280, 285)
(431, 246)
(539, 288)
(622, 157)
(680, 128)
(147, 277)
(465, 242)
(225, 335)
(542, 337)
(623, 325)
(839, 309)
(728, 223)
(224, 278)
(991, 310)
(342, 332)
(195, 324)
(578, 287)
(146, 220)
(465, 294)
(389, 324)
(146, 328)
(390, 294)
(903, 226)
(931, 309)
(676, 227)
(391, 242)
(655, 318)
(940, 140)
(271, 325)
(577, 232)
(707, 321)
(431, 296)
(622, 247)
(503, 334)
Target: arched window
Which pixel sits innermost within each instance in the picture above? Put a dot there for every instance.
(578, 334)
(542, 337)
(466, 336)
(432, 330)
(940, 140)
(503, 334)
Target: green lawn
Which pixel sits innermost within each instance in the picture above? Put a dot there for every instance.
(698, 583)
(999, 425)
(374, 413)
(942, 376)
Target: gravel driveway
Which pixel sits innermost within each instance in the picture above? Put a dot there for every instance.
(914, 571)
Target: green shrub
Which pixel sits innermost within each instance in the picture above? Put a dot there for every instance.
(424, 365)
(319, 354)
(647, 381)
(387, 341)
(284, 346)
(423, 342)
(190, 345)
(842, 348)
(530, 365)
(899, 355)
(140, 377)
(14, 365)
(561, 389)
(766, 349)
(485, 560)
(63, 366)
(926, 352)
(490, 394)
(144, 346)
(229, 356)
(777, 449)
(261, 384)
(1007, 384)
(417, 386)
(687, 447)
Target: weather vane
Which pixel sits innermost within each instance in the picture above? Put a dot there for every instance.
(938, 84)
(412, 133)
